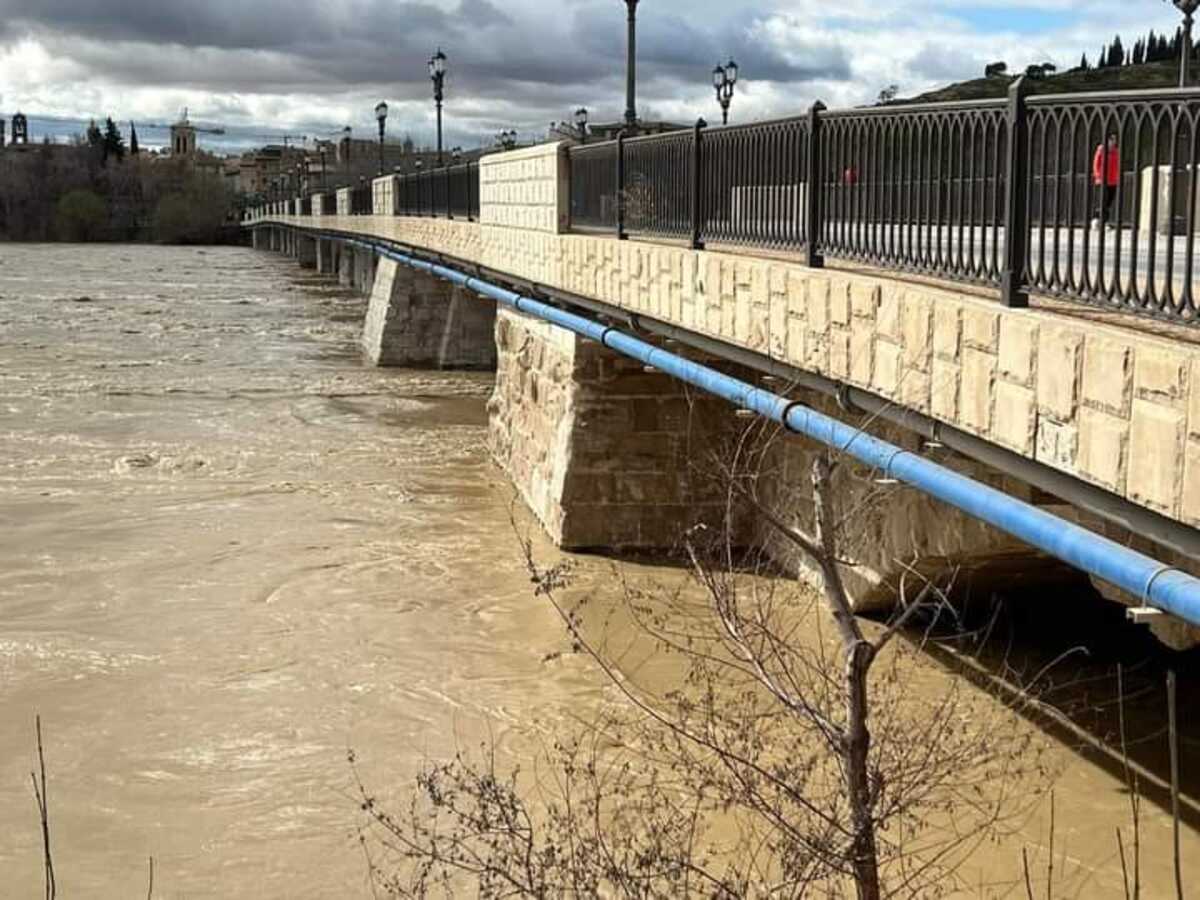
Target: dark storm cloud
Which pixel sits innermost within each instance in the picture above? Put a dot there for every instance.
(529, 62)
(281, 25)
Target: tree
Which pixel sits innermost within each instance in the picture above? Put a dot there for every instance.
(1116, 53)
(133, 141)
(193, 215)
(95, 139)
(888, 94)
(995, 70)
(1083, 63)
(811, 754)
(81, 215)
(113, 143)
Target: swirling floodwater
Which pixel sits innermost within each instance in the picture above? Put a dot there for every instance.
(231, 552)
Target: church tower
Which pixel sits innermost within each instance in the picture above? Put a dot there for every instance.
(183, 137)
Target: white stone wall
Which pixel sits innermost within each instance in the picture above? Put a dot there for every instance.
(383, 195)
(343, 201)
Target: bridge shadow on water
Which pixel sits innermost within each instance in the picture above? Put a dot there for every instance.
(1086, 666)
(1069, 660)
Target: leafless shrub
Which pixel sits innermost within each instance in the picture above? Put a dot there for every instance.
(791, 759)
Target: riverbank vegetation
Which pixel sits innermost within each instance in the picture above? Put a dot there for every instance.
(99, 191)
(794, 757)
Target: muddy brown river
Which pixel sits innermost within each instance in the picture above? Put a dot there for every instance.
(230, 552)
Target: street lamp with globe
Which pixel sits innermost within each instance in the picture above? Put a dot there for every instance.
(381, 111)
(437, 74)
(1187, 7)
(724, 78)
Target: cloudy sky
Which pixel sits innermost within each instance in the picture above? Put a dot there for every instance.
(314, 65)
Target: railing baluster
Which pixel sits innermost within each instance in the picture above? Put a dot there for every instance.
(621, 235)
(813, 256)
(1013, 287)
(697, 211)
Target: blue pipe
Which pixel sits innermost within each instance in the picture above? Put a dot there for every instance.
(1155, 583)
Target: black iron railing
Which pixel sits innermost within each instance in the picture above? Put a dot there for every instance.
(594, 181)
(935, 189)
(361, 203)
(1125, 242)
(450, 192)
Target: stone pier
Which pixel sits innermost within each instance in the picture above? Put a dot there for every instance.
(345, 259)
(606, 454)
(306, 251)
(364, 270)
(419, 321)
(325, 257)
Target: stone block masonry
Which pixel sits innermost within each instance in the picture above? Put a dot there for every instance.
(1117, 407)
(418, 321)
(605, 454)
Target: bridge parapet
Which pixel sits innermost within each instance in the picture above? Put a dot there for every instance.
(1113, 406)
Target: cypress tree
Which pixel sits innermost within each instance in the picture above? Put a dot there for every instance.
(1116, 52)
(1083, 62)
(114, 144)
(133, 141)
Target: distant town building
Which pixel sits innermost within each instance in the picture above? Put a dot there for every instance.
(609, 131)
(360, 156)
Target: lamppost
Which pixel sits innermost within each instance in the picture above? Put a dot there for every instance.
(631, 66)
(1187, 7)
(381, 117)
(507, 139)
(437, 73)
(724, 78)
(581, 119)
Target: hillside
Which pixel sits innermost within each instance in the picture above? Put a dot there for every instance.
(1123, 78)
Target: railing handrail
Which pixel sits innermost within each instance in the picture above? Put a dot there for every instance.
(909, 109)
(1083, 97)
(973, 190)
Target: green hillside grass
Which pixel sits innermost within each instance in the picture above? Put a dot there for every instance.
(1121, 78)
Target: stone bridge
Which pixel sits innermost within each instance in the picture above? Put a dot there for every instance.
(1093, 414)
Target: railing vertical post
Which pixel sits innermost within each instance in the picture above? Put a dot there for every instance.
(697, 182)
(621, 235)
(813, 257)
(1014, 287)
(449, 211)
(470, 209)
